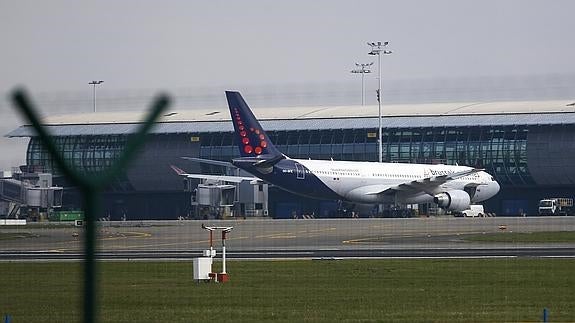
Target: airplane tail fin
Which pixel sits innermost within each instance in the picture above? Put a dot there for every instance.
(252, 139)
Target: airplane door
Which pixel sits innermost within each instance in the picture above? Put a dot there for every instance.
(300, 172)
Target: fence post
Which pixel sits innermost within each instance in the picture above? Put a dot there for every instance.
(90, 185)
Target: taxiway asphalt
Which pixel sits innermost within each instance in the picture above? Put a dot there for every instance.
(268, 238)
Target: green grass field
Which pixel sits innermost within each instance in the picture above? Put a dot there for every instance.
(478, 290)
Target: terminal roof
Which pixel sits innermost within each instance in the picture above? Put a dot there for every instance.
(303, 118)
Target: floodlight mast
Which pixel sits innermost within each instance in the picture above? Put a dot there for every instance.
(364, 68)
(94, 83)
(378, 49)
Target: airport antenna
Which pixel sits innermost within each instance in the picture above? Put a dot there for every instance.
(363, 69)
(94, 83)
(378, 49)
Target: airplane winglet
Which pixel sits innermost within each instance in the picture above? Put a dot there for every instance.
(178, 171)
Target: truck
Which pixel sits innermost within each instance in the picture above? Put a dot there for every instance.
(556, 206)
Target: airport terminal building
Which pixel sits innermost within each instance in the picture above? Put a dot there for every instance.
(528, 146)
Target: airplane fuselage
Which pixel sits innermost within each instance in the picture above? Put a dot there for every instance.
(365, 182)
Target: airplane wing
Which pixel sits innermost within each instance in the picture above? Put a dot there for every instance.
(210, 161)
(224, 178)
(462, 173)
(427, 184)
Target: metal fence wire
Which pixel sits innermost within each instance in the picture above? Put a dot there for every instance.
(90, 185)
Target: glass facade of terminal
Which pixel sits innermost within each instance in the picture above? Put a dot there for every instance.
(502, 151)
(90, 154)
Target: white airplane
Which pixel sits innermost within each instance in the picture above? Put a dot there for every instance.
(450, 187)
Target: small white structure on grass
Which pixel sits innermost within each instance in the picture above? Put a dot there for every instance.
(203, 265)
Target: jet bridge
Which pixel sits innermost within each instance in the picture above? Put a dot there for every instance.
(28, 197)
(217, 199)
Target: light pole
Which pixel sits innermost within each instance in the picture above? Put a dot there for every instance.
(94, 83)
(378, 49)
(364, 68)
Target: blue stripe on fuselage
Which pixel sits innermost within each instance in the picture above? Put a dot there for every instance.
(291, 176)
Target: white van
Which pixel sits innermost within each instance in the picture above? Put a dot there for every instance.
(474, 211)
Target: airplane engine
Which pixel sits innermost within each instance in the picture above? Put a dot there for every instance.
(453, 200)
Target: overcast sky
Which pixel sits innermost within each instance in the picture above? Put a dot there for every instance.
(59, 45)
(56, 46)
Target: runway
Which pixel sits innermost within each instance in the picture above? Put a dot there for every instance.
(314, 254)
(443, 237)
